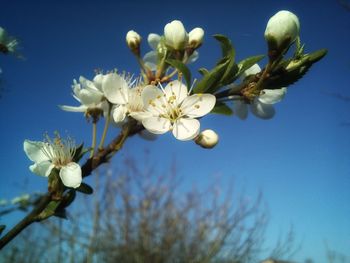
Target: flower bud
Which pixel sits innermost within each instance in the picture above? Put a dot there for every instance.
(175, 35)
(133, 39)
(282, 29)
(207, 139)
(196, 37)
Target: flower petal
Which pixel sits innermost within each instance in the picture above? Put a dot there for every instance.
(262, 111)
(140, 115)
(34, 151)
(240, 109)
(157, 125)
(115, 88)
(198, 105)
(119, 113)
(186, 129)
(178, 89)
(193, 57)
(81, 108)
(88, 96)
(151, 60)
(98, 81)
(42, 168)
(153, 40)
(251, 71)
(71, 175)
(269, 96)
(153, 99)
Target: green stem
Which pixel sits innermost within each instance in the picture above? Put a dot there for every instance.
(93, 143)
(103, 138)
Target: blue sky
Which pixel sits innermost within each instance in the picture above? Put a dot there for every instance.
(299, 159)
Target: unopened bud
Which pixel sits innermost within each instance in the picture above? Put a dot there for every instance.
(133, 39)
(282, 29)
(175, 35)
(195, 37)
(207, 139)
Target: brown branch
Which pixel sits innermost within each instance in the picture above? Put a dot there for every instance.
(129, 129)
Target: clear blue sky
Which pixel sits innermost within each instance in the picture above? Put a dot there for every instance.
(300, 159)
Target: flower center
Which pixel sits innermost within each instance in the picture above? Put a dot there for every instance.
(59, 151)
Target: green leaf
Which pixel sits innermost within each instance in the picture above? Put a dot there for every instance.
(245, 64)
(229, 53)
(224, 71)
(209, 82)
(85, 189)
(203, 71)
(182, 68)
(293, 70)
(226, 46)
(222, 108)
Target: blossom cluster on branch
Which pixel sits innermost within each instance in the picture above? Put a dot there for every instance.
(165, 98)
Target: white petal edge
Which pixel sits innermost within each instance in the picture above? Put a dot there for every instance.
(262, 111)
(81, 108)
(157, 125)
(186, 129)
(42, 168)
(240, 109)
(153, 40)
(269, 96)
(71, 175)
(151, 60)
(115, 88)
(198, 105)
(34, 151)
(251, 71)
(119, 113)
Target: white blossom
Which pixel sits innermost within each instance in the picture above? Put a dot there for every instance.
(125, 93)
(89, 94)
(262, 105)
(50, 154)
(172, 109)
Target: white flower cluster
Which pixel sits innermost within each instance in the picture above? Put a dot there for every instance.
(172, 108)
(158, 109)
(175, 39)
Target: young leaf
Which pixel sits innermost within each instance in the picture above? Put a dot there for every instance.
(182, 68)
(85, 189)
(293, 71)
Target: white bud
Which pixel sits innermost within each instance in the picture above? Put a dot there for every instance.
(133, 39)
(207, 139)
(283, 26)
(196, 37)
(175, 35)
